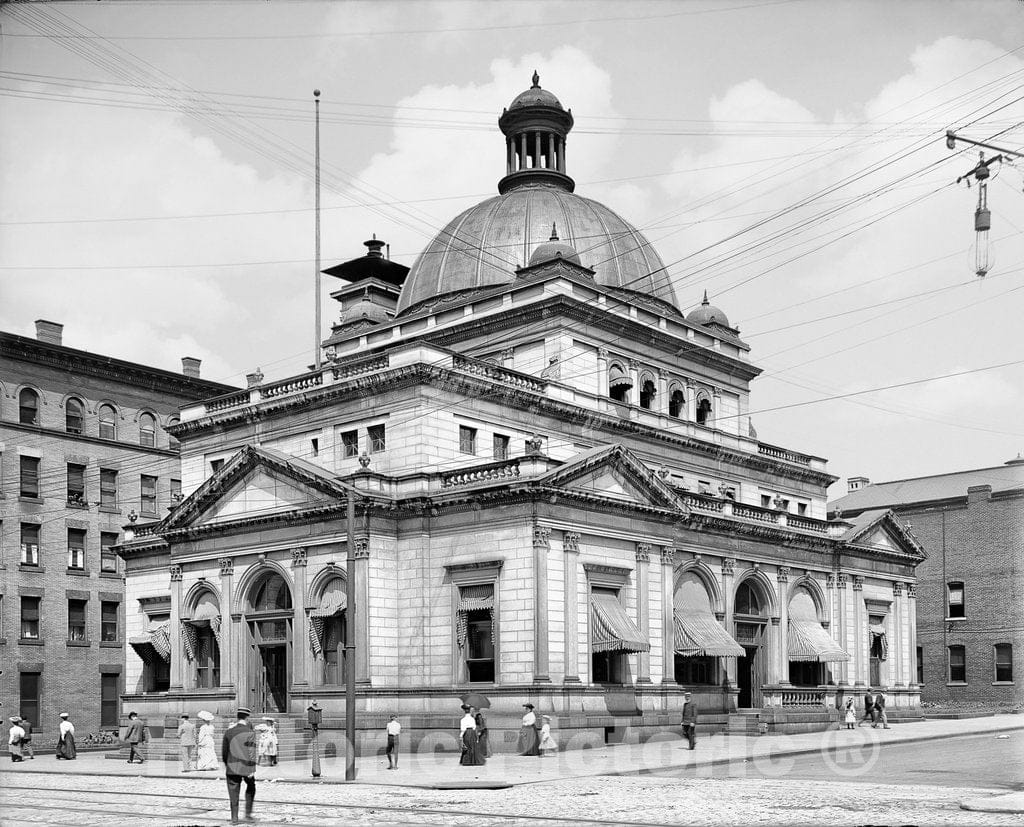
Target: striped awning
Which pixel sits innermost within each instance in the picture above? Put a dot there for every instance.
(473, 599)
(808, 640)
(155, 645)
(611, 628)
(878, 633)
(617, 377)
(699, 633)
(331, 604)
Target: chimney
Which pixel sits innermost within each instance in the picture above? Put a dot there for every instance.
(856, 484)
(190, 366)
(49, 332)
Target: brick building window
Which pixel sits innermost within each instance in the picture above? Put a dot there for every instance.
(108, 621)
(172, 440)
(29, 477)
(500, 446)
(109, 692)
(148, 495)
(76, 485)
(76, 549)
(30, 619)
(957, 664)
(175, 491)
(955, 606)
(28, 407)
(74, 416)
(467, 440)
(375, 435)
(147, 430)
(1003, 657)
(350, 444)
(76, 619)
(108, 488)
(108, 559)
(29, 544)
(108, 422)
(920, 664)
(29, 684)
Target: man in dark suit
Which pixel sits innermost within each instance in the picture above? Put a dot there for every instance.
(689, 720)
(134, 736)
(880, 711)
(238, 752)
(869, 708)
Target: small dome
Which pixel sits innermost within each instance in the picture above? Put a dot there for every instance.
(552, 249)
(707, 313)
(365, 311)
(535, 96)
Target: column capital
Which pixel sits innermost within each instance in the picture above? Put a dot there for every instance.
(858, 583)
(668, 555)
(783, 574)
(897, 588)
(227, 566)
(571, 541)
(729, 565)
(175, 572)
(643, 552)
(912, 590)
(830, 581)
(841, 580)
(541, 537)
(507, 353)
(776, 621)
(602, 353)
(362, 549)
(299, 558)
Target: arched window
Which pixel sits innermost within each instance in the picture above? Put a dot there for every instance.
(697, 634)
(108, 422)
(329, 630)
(272, 595)
(201, 640)
(74, 416)
(172, 441)
(147, 430)
(619, 383)
(747, 600)
(676, 404)
(703, 410)
(647, 393)
(28, 407)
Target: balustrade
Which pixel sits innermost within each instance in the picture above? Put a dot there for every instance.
(222, 403)
(783, 454)
(486, 473)
(515, 380)
(299, 383)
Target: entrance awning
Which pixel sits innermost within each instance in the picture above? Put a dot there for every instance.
(807, 640)
(331, 604)
(612, 629)
(155, 645)
(699, 633)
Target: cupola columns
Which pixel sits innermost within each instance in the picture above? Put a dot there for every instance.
(535, 128)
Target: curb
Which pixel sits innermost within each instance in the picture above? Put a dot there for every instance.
(1009, 803)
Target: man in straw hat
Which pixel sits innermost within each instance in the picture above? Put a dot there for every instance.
(187, 743)
(238, 751)
(14, 737)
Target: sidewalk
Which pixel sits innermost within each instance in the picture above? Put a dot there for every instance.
(440, 770)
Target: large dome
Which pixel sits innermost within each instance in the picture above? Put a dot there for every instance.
(485, 245)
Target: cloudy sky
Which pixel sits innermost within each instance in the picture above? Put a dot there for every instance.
(787, 156)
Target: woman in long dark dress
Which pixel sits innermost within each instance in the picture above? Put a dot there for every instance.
(471, 755)
(482, 739)
(66, 741)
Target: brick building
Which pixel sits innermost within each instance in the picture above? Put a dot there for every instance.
(82, 444)
(970, 604)
(560, 500)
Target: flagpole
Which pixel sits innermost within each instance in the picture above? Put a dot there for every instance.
(316, 325)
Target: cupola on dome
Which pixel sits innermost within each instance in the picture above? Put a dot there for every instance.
(707, 314)
(484, 246)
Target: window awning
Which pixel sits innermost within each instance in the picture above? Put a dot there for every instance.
(808, 640)
(611, 628)
(331, 604)
(618, 378)
(155, 645)
(472, 599)
(877, 631)
(699, 633)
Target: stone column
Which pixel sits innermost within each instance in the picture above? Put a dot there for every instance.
(523, 161)
(602, 372)
(536, 150)
(782, 575)
(561, 154)
(228, 667)
(900, 676)
(541, 546)
(912, 628)
(716, 407)
(691, 401)
(643, 610)
(240, 656)
(661, 400)
(177, 656)
(634, 376)
(362, 613)
(668, 624)
(551, 151)
(571, 560)
(859, 633)
(300, 622)
(728, 573)
(508, 358)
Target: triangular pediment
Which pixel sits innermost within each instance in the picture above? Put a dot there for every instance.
(882, 530)
(263, 493)
(616, 473)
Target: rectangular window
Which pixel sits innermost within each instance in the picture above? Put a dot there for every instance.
(476, 623)
(375, 436)
(801, 509)
(350, 444)
(30, 618)
(29, 544)
(955, 600)
(920, 664)
(703, 487)
(501, 444)
(175, 491)
(467, 440)
(109, 700)
(76, 548)
(76, 619)
(314, 447)
(76, 484)
(148, 496)
(1003, 662)
(29, 684)
(108, 621)
(957, 664)
(785, 504)
(766, 501)
(108, 559)
(29, 476)
(108, 488)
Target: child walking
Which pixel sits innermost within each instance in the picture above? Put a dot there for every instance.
(851, 714)
(548, 745)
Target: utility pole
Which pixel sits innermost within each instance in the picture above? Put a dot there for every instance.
(316, 258)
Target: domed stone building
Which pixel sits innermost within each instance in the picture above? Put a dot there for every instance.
(556, 494)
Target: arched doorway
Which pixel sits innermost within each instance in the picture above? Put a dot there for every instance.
(750, 618)
(269, 618)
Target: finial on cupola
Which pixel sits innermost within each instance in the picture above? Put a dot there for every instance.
(554, 232)
(705, 298)
(536, 80)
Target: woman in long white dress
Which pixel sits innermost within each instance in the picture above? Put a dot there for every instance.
(206, 758)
